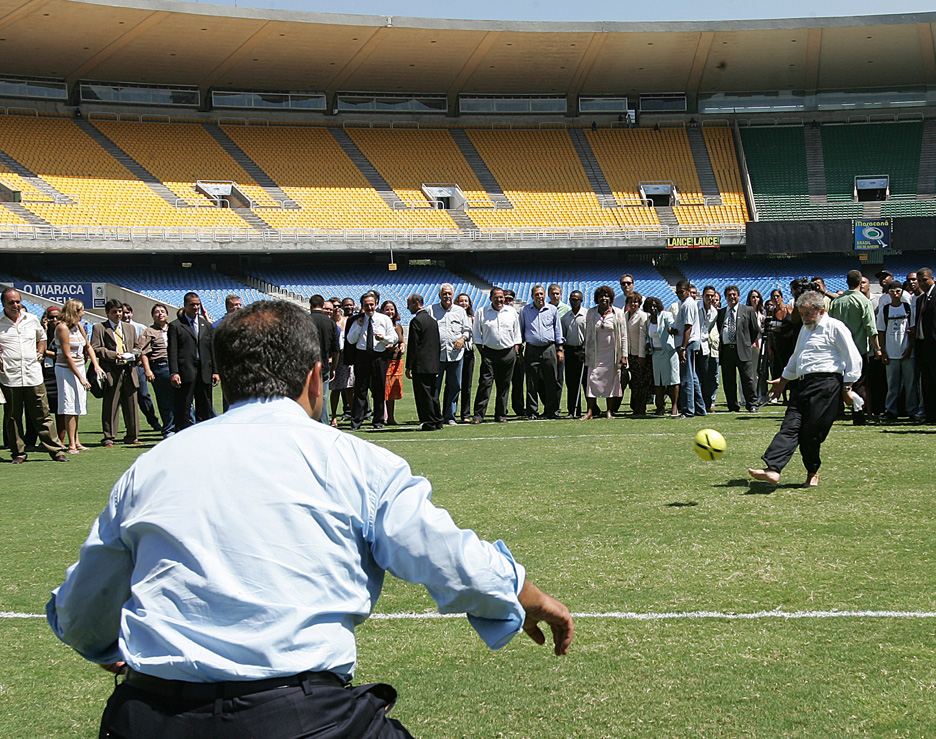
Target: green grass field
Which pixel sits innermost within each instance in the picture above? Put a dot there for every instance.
(614, 518)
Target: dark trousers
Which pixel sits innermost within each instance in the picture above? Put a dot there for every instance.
(926, 366)
(517, 396)
(165, 395)
(322, 711)
(467, 378)
(497, 369)
(426, 395)
(540, 367)
(877, 386)
(707, 367)
(575, 377)
(370, 373)
(814, 405)
(34, 403)
(121, 396)
(198, 392)
(145, 402)
(732, 366)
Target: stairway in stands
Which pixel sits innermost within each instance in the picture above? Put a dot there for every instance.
(815, 166)
(926, 182)
(703, 165)
(33, 179)
(666, 215)
(250, 166)
(151, 180)
(374, 178)
(26, 214)
(487, 179)
(592, 169)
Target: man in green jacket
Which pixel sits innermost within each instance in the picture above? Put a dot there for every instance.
(857, 312)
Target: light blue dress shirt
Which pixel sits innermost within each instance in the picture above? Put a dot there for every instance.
(251, 545)
(540, 326)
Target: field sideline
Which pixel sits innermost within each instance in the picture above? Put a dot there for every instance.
(709, 606)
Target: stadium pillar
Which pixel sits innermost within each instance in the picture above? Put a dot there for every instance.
(74, 92)
(451, 100)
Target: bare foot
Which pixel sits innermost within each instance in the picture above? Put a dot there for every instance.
(812, 480)
(587, 417)
(609, 415)
(765, 475)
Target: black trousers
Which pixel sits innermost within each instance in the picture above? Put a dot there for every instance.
(198, 392)
(426, 395)
(370, 373)
(575, 378)
(497, 369)
(730, 365)
(926, 366)
(517, 396)
(468, 365)
(814, 404)
(322, 711)
(540, 364)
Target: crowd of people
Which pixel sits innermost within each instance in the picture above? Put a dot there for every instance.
(533, 357)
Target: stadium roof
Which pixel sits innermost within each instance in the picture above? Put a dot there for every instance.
(165, 42)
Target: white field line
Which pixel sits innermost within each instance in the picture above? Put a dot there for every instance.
(631, 616)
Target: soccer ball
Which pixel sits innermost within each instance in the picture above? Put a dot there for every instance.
(709, 444)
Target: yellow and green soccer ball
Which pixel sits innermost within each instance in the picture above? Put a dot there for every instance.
(709, 444)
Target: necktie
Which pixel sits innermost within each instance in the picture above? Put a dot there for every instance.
(118, 337)
(370, 335)
(730, 328)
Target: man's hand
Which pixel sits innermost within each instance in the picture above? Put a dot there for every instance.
(215, 380)
(176, 381)
(459, 344)
(409, 374)
(118, 668)
(777, 386)
(540, 606)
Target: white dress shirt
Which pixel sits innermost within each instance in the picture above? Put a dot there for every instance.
(385, 334)
(497, 329)
(637, 332)
(20, 365)
(251, 545)
(454, 324)
(827, 347)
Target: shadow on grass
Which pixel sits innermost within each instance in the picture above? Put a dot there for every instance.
(908, 430)
(740, 482)
(677, 504)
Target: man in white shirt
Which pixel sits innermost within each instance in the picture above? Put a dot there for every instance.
(688, 342)
(497, 336)
(707, 359)
(371, 335)
(895, 321)
(825, 362)
(22, 346)
(454, 331)
(232, 564)
(573, 329)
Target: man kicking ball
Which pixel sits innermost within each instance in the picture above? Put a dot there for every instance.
(825, 363)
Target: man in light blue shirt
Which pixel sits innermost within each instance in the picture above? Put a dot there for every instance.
(454, 330)
(542, 333)
(688, 343)
(238, 557)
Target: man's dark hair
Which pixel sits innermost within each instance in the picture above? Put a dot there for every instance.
(372, 294)
(265, 350)
(113, 304)
(683, 284)
(925, 271)
(127, 306)
(6, 292)
(853, 279)
(730, 288)
(189, 295)
(316, 301)
(497, 289)
(709, 287)
(418, 299)
(158, 305)
(510, 294)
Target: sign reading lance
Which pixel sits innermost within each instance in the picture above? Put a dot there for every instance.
(92, 294)
(871, 235)
(692, 242)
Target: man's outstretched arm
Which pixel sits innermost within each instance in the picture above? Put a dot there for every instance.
(540, 606)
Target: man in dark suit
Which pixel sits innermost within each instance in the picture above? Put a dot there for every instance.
(422, 363)
(926, 341)
(738, 330)
(114, 342)
(191, 363)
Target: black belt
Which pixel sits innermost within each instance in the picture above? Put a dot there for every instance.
(730, 346)
(225, 690)
(160, 363)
